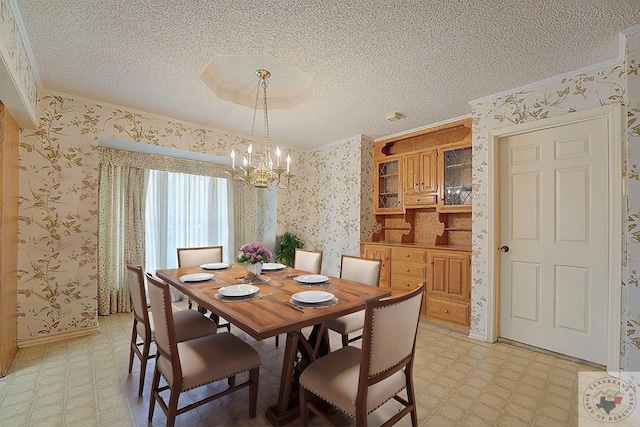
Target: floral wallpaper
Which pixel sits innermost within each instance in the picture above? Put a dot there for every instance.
(367, 219)
(14, 53)
(632, 306)
(298, 205)
(57, 278)
(580, 92)
(325, 208)
(57, 260)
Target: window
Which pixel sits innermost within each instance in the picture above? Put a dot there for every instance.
(184, 210)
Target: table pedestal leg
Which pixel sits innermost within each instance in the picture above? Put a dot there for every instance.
(288, 407)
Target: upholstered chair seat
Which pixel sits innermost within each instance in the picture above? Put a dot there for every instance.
(190, 324)
(194, 257)
(194, 363)
(343, 367)
(204, 361)
(361, 270)
(347, 324)
(359, 381)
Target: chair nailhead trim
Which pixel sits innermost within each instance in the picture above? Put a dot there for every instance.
(345, 412)
(218, 379)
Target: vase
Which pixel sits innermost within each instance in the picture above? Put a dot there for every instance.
(254, 269)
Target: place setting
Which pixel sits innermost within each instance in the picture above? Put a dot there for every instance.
(239, 293)
(312, 280)
(196, 277)
(269, 267)
(312, 299)
(215, 266)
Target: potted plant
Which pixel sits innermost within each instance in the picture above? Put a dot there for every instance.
(286, 253)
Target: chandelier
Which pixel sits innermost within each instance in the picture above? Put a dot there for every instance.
(266, 174)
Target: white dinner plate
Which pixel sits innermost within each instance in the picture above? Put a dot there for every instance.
(196, 277)
(238, 290)
(215, 266)
(312, 297)
(270, 266)
(311, 278)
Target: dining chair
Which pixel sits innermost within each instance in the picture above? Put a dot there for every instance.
(194, 257)
(191, 364)
(361, 270)
(358, 381)
(309, 261)
(189, 324)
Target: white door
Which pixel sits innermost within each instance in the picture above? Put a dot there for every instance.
(554, 220)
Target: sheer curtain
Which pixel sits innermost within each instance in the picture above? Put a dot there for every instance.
(184, 210)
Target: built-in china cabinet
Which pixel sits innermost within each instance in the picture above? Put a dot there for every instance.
(422, 207)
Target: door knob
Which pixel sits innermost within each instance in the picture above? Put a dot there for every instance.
(503, 248)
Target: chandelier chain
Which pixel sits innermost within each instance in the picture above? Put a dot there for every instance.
(255, 109)
(266, 114)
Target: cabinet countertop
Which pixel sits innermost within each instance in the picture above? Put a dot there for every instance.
(421, 246)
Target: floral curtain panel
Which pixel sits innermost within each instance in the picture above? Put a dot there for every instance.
(120, 233)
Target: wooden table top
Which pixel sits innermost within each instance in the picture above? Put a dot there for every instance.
(270, 316)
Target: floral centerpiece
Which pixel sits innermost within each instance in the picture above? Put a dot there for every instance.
(254, 254)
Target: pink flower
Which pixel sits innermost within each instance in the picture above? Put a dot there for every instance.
(252, 253)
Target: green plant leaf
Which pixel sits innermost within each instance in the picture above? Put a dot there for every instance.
(286, 253)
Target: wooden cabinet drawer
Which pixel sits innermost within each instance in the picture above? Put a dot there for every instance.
(405, 283)
(409, 269)
(408, 255)
(447, 310)
(420, 199)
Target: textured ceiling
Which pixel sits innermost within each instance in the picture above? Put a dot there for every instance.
(424, 59)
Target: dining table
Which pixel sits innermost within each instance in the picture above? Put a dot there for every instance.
(276, 309)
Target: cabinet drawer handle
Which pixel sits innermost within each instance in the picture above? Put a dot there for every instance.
(446, 310)
(408, 270)
(407, 256)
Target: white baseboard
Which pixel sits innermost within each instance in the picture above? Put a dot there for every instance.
(57, 337)
(476, 336)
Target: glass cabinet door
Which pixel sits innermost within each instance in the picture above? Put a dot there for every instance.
(388, 186)
(457, 190)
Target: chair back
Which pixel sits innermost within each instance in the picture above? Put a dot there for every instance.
(361, 270)
(135, 278)
(165, 333)
(310, 261)
(193, 257)
(389, 338)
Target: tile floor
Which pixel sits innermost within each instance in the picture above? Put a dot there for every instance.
(459, 382)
